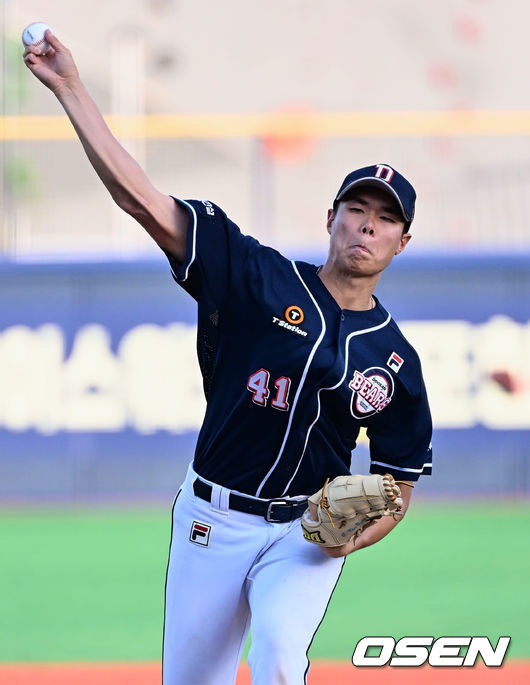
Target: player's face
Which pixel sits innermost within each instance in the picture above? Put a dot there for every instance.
(366, 232)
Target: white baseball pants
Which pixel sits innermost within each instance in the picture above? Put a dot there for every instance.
(229, 571)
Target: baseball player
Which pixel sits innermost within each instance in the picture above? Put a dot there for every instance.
(296, 359)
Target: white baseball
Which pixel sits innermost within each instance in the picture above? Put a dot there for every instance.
(34, 35)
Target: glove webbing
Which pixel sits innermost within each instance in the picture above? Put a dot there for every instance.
(324, 504)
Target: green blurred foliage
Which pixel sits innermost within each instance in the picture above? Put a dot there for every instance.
(15, 88)
(20, 177)
(19, 173)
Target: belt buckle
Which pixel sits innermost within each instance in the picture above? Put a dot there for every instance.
(268, 516)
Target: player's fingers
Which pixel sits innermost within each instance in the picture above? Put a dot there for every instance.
(30, 58)
(33, 49)
(54, 41)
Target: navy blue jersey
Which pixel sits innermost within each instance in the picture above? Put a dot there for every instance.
(290, 377)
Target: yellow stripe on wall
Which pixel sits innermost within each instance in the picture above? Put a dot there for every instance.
(312, 124)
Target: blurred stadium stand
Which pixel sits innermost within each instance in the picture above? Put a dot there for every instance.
(471, 165)
(101, 394)
(262, 108)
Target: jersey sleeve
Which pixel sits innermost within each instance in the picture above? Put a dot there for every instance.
(216, 251)
(400, 436)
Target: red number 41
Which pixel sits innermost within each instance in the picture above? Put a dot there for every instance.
(258, 385)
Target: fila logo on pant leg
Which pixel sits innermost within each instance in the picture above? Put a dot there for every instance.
(200, 533)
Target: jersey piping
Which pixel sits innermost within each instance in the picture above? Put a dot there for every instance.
(302, 381)
(193, 244)
(334, 387)
(402, 468)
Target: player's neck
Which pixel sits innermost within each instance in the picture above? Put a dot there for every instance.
(349, 291)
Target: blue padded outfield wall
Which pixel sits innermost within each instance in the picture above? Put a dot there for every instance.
(101, 395)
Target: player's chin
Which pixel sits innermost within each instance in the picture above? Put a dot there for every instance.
(358, 260)
(360, 268)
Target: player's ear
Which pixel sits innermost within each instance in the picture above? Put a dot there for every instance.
(403, 242)
(331, 216)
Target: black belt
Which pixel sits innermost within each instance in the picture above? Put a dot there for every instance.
(273, 510)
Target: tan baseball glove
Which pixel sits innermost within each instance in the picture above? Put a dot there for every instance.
(348, 505)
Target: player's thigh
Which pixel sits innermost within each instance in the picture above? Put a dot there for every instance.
(210, 555)
(289, 590)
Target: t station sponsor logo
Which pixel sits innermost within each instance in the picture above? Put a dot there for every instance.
(293, 316)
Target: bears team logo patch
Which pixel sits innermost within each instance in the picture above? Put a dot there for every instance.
(372, 391)
(200, 533)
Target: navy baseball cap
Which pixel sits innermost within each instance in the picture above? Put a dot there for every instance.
(386, 177)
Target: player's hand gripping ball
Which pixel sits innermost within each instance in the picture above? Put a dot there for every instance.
(34, 35)
(348, 505)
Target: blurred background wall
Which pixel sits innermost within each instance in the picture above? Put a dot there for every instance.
(263, 109)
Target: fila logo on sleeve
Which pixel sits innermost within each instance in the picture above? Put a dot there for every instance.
(200, 533)
(395, 362)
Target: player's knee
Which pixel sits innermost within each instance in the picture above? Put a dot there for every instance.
(273, 659)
